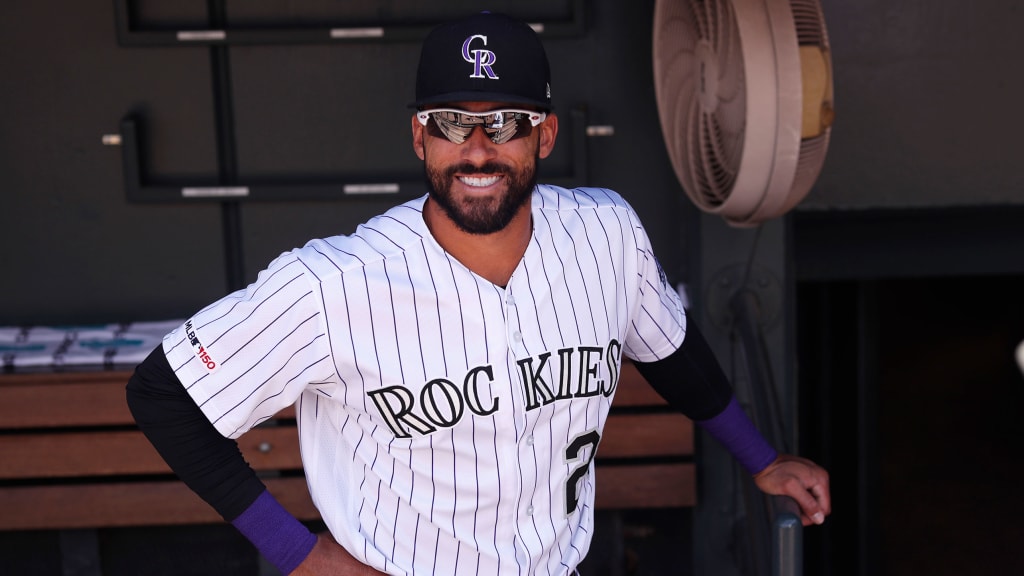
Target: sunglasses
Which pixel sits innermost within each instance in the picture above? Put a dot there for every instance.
(500, 126)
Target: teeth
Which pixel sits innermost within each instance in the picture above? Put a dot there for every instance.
(479, 182)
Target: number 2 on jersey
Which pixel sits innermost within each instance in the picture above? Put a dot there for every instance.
(572, 454)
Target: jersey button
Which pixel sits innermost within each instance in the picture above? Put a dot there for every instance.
(510, 300)
(517, 336)
(529, 440)
(529, 511)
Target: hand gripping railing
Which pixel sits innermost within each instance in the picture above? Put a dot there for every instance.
(774, 527)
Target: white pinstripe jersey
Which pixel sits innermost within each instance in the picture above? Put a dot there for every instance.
(447, 425)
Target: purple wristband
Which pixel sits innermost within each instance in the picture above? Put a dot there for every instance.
(737, 433)
(280, 537)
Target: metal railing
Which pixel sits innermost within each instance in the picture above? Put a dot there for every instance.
(774, 529)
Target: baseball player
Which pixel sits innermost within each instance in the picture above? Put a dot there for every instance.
(453, 361)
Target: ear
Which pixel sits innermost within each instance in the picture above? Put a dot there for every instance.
(548, 133)
(417, 138)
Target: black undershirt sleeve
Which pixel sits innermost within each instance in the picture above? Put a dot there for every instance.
(690, 379)
(210, 464)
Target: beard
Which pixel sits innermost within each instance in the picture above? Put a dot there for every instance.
(482, 215)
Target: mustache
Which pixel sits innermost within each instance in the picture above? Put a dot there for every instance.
(490, 167)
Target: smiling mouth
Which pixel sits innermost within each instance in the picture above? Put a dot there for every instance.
(479, 181)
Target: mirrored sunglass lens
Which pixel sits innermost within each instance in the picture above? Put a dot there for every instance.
(500, 127)
(452, 131)
(509, 126)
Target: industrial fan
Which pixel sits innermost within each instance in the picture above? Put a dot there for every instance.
(744, 95)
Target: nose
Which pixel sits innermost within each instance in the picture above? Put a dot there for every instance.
(478, 146)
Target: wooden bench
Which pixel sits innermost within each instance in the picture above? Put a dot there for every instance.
(71, 457)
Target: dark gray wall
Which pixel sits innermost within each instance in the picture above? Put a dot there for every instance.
(78, 251)
(927, 116)
(75, 250)
(927, 105)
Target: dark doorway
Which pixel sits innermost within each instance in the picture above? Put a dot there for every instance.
(911, 396)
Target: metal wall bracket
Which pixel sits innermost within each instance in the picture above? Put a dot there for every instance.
(143, 188)
(130, 34)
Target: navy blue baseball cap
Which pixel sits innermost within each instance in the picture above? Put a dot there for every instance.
(487, 57)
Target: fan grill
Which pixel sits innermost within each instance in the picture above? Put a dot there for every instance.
(728, 80)
(716, 171)
(701, 96)
(809, 22)
(808, 168)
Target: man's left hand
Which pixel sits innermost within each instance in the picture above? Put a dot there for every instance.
(803, 481)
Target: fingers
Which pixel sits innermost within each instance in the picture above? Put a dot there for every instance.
(810, 508)
(823, 495)
(803, 481)
(816, 498)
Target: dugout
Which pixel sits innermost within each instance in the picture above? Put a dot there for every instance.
(913, 234)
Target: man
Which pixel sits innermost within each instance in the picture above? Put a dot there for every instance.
(426, 352)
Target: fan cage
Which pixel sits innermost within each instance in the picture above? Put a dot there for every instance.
(809, 22)
(714, 178)
(702, 149)
(808, 167)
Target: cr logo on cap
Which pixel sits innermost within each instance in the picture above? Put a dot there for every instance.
(482, 60)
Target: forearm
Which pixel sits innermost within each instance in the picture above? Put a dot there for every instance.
(735, 431)
(212, 465)
(692, 381)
